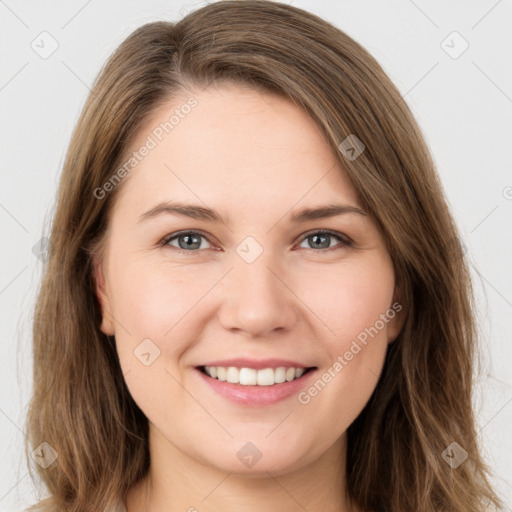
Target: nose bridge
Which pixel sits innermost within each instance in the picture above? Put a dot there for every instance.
(255, 298)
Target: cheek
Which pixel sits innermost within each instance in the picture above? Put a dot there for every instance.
(153, 305)
(353, 303)
(358, 298)
(151, 296)
(152, 302)
(352, 298)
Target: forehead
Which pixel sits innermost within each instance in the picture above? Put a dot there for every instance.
(235, 146)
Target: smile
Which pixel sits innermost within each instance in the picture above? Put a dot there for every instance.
(253, 377)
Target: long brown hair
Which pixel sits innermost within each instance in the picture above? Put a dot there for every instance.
(422, 404)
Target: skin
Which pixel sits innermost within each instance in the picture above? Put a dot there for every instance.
(256, 158)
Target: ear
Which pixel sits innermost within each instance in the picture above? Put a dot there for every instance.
(396, 323)
(107, 324)
(396, 314)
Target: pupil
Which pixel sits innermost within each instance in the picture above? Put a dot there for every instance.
(188, 242)
(316, 237)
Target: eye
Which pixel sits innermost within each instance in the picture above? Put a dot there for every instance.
(191, 241)
(321, 240)
(188, 241)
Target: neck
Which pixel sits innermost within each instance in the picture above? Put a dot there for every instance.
(186, 484)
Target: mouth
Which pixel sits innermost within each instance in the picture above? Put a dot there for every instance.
(255, 378)
(251, 387)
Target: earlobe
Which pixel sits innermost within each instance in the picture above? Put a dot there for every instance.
(397, 314)
(395, 325)
(107, 325)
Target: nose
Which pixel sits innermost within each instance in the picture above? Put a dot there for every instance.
(257, 300)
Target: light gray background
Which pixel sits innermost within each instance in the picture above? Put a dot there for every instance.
(463, 104)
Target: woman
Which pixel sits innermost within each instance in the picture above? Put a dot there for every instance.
(256, 297)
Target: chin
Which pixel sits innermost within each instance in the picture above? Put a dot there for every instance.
(258, 458)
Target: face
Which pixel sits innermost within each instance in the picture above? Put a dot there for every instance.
(261, 287)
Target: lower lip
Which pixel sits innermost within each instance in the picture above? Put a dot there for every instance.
(256, 395)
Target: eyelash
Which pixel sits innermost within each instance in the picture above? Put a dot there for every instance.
(345, 241)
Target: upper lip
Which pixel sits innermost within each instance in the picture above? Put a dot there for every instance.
(257, 364)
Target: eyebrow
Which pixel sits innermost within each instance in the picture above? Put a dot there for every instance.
(201, 213)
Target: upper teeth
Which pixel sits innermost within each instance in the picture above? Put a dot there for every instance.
(251, 377)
